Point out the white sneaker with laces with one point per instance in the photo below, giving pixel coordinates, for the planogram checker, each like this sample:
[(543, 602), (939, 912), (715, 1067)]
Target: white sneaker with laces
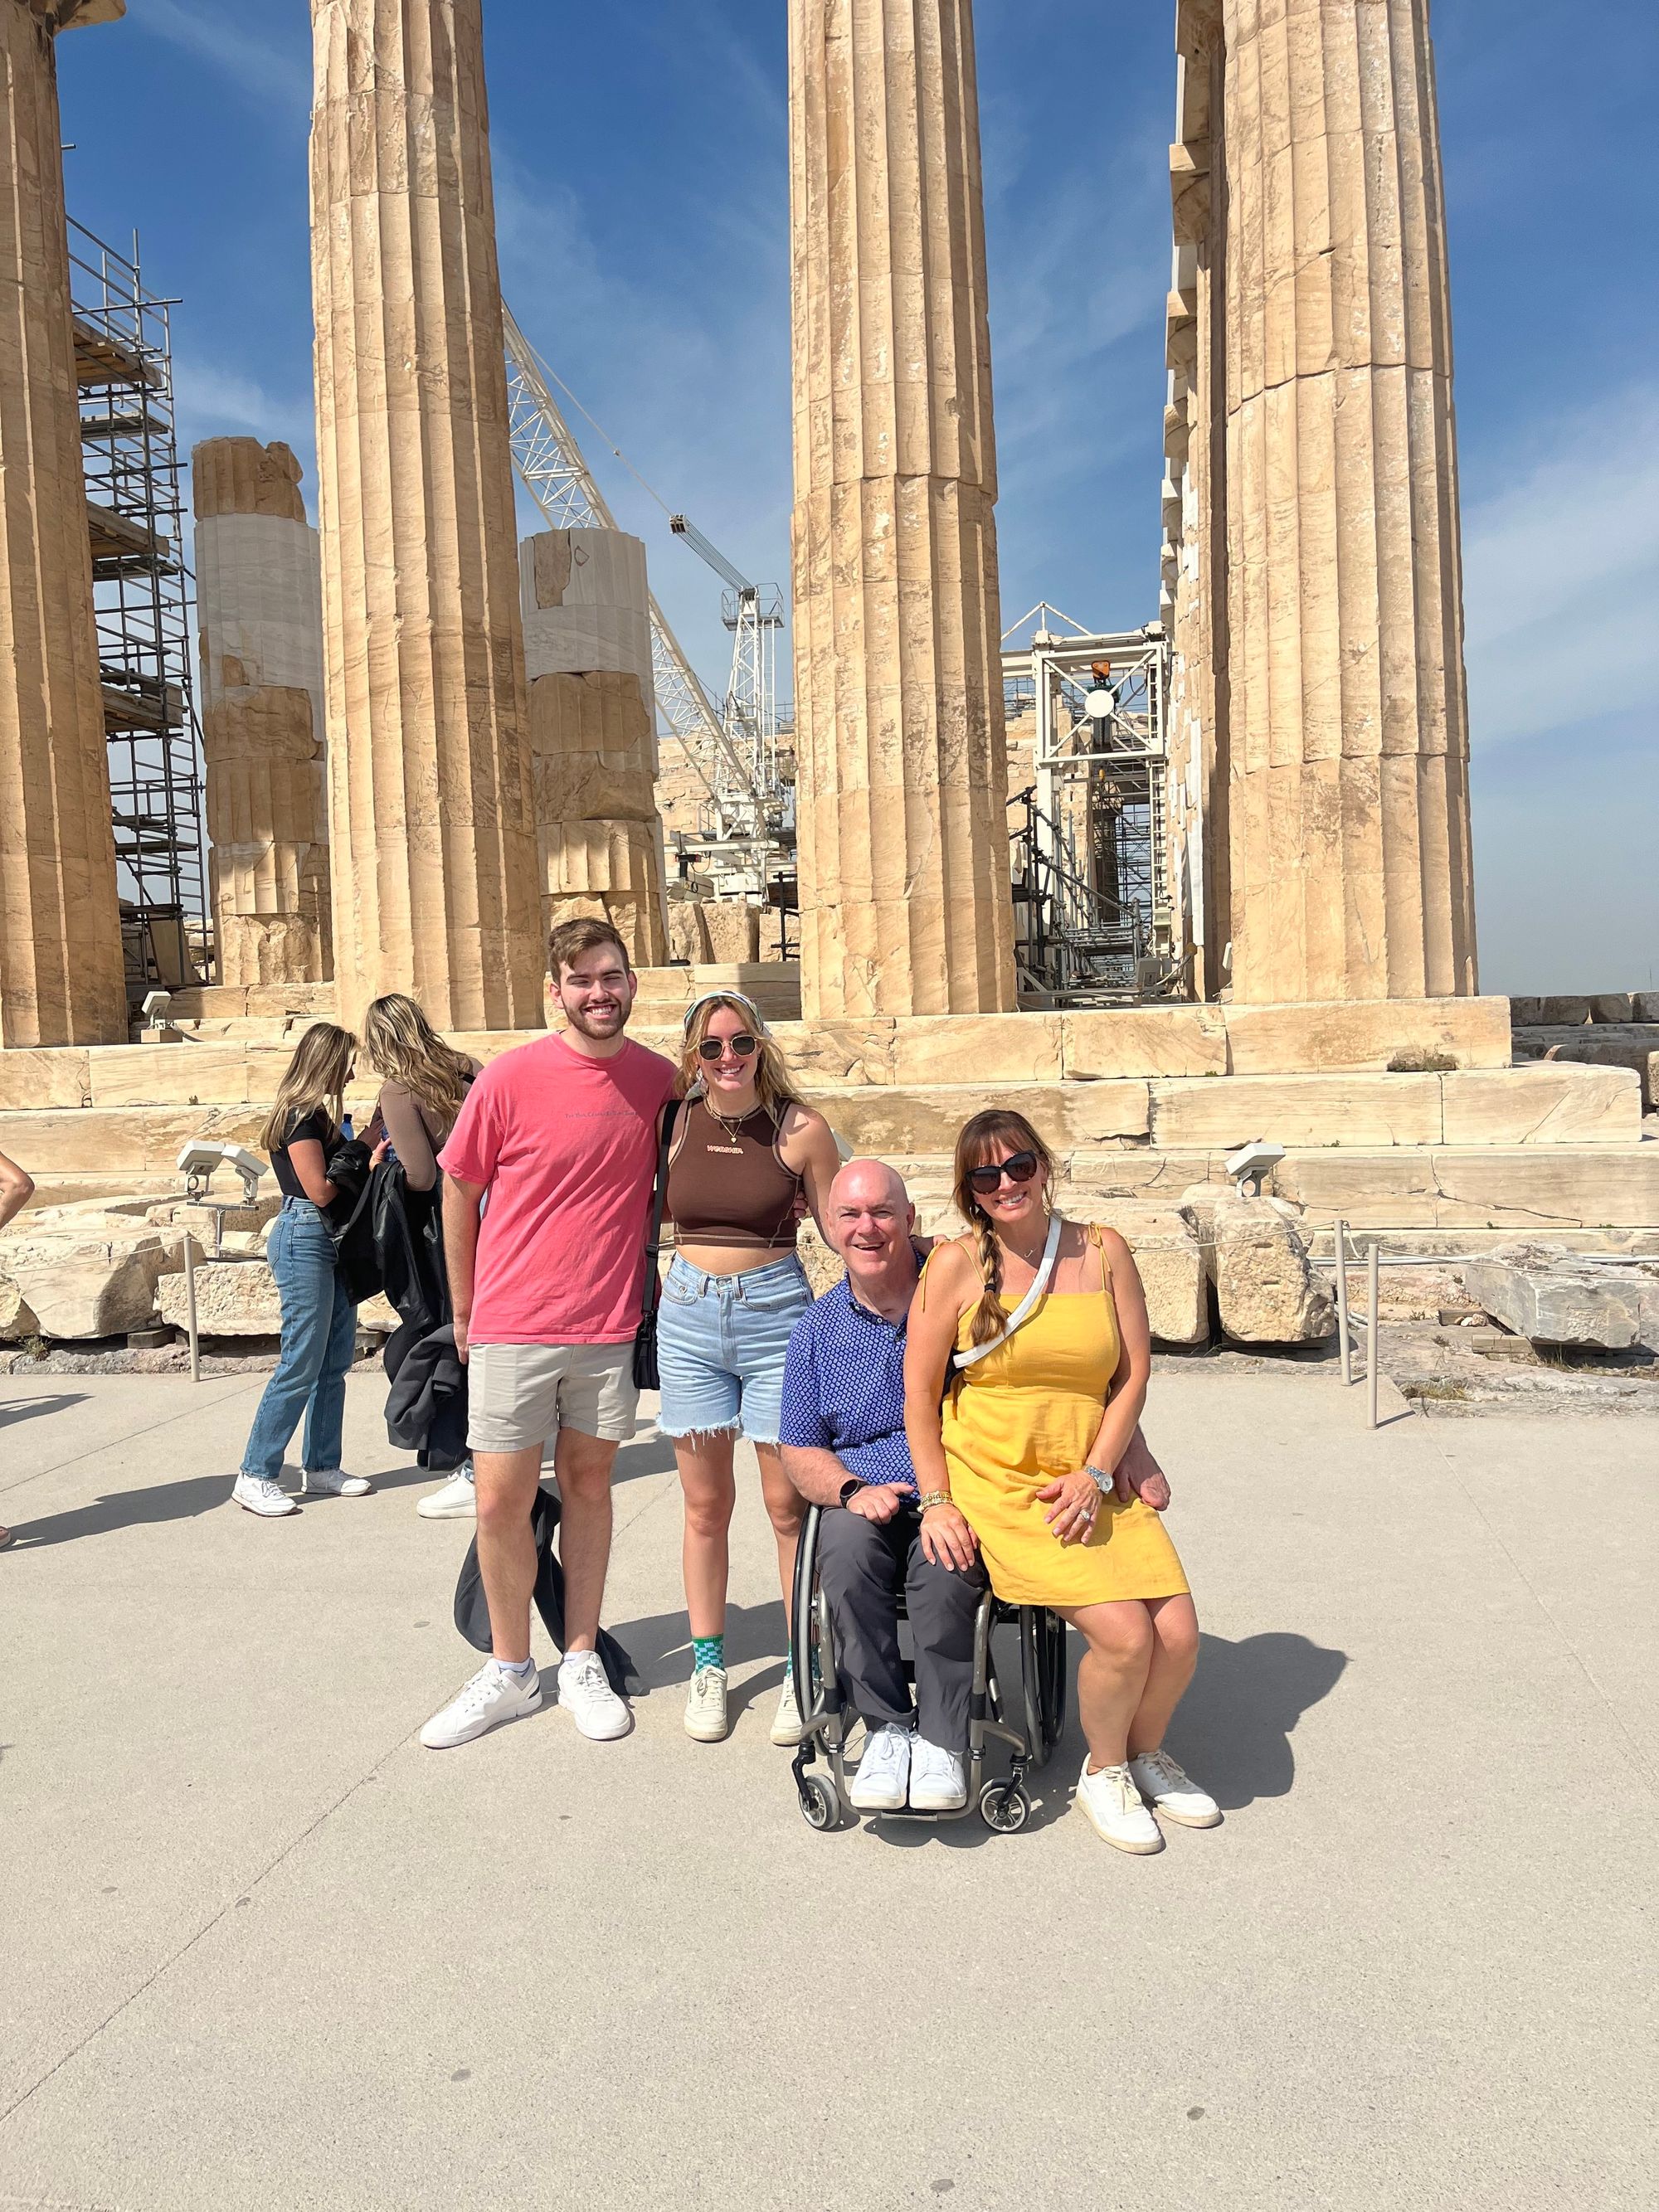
[(786, 1724), (457, 1501), (1113, 1803), (594, 1706), (257, 1493), (494, 1695), (332, 1483), (705, 1706), (937, 1781), (884, 1772), (1172, 1792)]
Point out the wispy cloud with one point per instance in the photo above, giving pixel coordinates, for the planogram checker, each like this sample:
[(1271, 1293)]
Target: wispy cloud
[(1561, 569), (265, 72)]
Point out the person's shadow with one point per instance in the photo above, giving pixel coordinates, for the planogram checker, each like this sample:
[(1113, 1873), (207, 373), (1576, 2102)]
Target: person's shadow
[(27, 1409), (1232, 1731)]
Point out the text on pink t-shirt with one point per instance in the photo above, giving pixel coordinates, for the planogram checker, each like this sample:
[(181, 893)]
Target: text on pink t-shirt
[(567, 1148)]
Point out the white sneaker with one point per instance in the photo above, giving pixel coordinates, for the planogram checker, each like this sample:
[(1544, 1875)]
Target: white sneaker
[(787, 1727), (884, 1772), (494, 1695), (333, 1484), (1173, 1793), (257, 1493), (1113, 1803), (457, 1501), (938, 1784), (705, 1706), (594, 1706)]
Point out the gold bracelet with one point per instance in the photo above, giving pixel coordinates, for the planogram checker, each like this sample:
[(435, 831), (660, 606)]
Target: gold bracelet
[(925, 1502)]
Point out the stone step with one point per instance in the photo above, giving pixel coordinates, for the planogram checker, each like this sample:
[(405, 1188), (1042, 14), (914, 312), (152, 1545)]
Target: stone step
[(1543, 1103)]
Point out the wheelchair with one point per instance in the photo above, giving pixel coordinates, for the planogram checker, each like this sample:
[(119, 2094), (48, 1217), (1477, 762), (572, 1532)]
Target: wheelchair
[(1030, 1723)]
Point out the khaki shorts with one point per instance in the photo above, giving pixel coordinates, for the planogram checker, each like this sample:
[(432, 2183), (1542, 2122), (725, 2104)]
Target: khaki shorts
[(521, 1395)]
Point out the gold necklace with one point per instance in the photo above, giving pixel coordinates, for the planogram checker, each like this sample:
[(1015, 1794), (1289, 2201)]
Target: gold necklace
[(1016, 1252)]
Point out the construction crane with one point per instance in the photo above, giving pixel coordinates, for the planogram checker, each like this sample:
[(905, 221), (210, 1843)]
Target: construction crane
[(754, 615), (553, 473)]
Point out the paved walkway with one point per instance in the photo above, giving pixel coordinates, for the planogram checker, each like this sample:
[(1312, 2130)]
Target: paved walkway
[(261, 1952)]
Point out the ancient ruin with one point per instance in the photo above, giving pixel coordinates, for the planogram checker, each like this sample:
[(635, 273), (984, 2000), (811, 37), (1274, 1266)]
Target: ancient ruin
[(432, 832), (259, 597), (489, 713), (903, 867), (60, 978), (1321, 756), (593, 732)]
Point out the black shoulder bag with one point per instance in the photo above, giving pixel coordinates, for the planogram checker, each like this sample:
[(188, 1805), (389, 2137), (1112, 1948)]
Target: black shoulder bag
[(645, 1375)]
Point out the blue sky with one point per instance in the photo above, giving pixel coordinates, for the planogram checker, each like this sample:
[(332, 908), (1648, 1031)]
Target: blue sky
[(642, 207)]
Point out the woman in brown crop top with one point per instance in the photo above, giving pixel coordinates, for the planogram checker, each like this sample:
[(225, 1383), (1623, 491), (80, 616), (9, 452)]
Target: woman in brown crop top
[(745, 1155)]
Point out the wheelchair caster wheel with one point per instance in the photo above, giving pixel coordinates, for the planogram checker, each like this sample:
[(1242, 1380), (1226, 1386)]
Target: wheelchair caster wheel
[(820, 1808), (1004, 1807)]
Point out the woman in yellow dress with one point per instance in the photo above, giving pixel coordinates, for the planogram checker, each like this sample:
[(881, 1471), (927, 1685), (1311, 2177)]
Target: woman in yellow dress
[(1024, 1460)]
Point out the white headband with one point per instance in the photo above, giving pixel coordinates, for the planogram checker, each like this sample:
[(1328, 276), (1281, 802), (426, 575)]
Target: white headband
[(742, 998)]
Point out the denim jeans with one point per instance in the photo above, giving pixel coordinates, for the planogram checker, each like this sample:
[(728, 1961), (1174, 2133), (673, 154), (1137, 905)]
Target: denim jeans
[(319, 1331), (721, 1346)]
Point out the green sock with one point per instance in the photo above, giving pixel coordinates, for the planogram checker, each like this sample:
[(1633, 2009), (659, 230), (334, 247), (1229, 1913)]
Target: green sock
[(708, 1651)]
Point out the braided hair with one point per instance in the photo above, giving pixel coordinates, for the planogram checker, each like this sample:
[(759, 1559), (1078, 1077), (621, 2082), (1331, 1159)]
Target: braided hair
[(987, 1136)]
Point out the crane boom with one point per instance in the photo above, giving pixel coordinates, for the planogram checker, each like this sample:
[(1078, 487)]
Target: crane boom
[(555, 474)]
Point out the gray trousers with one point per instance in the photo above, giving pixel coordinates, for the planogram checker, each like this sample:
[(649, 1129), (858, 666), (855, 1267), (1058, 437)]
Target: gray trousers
[(862, 1566)]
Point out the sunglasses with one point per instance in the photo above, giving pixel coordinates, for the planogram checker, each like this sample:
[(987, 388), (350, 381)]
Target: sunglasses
[(1019, 1167), (711, 1047)]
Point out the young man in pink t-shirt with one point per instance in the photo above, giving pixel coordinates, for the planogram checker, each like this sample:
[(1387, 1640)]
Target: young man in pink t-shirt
[(557, 1145)]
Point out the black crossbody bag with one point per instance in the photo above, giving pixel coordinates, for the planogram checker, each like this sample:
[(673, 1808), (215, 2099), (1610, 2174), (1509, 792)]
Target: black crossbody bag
[(646, 1374)]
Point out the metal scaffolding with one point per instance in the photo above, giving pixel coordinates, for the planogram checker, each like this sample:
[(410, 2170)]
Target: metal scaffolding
[(143, 599), (1089, 832)]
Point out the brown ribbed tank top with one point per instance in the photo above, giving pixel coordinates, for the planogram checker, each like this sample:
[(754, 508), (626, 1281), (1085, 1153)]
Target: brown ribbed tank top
[(726, 1184)]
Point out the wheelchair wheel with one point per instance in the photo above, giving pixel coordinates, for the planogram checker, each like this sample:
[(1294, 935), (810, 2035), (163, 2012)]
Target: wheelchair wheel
[(820, 1808), (1042, 1671), (1004, 1807)]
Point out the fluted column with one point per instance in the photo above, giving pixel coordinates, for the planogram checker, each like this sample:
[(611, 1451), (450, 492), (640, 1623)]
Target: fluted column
[(61, 972), (1348, 738), (900, 747), (433, 838), (259, 605)]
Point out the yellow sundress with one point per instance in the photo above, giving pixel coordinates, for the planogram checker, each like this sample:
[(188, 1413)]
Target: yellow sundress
[(1032, 1411)]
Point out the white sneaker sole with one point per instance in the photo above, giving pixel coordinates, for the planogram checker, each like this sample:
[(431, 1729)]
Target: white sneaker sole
[(785, 1734), (268, 1512), (1188, 1819), (1118, 1842), (702, 1732), (430, 1510), (875, 1804), (503, 1720), (938, 1804)]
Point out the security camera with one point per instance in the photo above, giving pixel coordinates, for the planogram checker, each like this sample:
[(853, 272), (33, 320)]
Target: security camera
[(201, 1154), (156, 1004), (1251, 1165)]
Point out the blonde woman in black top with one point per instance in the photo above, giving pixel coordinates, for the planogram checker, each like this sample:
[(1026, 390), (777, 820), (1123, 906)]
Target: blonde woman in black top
[(319, 1318), (746, 1156)]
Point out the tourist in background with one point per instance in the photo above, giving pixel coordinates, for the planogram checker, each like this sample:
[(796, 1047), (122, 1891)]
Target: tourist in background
[(423, 1086), (16, 1189), (1026, 1463), (302, 1135), (745, 1155)]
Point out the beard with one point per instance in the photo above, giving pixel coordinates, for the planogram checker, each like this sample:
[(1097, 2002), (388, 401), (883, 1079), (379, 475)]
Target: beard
[(597, 1025)]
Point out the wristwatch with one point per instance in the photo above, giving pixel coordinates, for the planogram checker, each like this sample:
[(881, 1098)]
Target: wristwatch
[(852, 1483), (1104, 1483)]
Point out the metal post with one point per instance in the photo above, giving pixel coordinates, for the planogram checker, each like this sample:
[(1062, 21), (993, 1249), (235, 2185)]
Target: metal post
[(1345, 1341), (190, 1309), (1373, 1331)]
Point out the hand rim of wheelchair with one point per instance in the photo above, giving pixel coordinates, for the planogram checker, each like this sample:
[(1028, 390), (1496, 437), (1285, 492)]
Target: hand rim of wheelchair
[(1043, 1700)]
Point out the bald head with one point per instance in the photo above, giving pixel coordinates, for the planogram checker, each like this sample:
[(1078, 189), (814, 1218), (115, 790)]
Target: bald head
[(860, 1181), (870, 1219)]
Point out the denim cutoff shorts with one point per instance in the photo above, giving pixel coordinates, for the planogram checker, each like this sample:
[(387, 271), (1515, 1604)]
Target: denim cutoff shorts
[(721, 1346)]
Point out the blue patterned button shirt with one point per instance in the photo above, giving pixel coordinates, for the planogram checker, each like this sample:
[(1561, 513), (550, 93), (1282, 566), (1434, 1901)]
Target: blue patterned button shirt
[(843, 1389)]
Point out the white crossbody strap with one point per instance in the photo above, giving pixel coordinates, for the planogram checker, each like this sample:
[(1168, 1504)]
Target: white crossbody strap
[(1022, 1311)]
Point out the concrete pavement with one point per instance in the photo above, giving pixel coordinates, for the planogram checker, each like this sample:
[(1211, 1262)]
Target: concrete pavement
[(261, 1951)]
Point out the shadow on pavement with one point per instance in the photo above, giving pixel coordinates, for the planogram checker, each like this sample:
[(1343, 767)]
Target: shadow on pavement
[(25, 1409), (660, 1648), (1233, 1729), (180, 1501)]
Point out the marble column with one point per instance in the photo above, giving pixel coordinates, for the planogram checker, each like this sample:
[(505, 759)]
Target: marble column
[(905, 905), (1348, 720), (62, 979), (593, 733), (258, 597), (433, 835)]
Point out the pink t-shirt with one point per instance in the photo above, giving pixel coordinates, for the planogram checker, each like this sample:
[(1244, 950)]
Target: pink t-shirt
[(567, 1149)]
